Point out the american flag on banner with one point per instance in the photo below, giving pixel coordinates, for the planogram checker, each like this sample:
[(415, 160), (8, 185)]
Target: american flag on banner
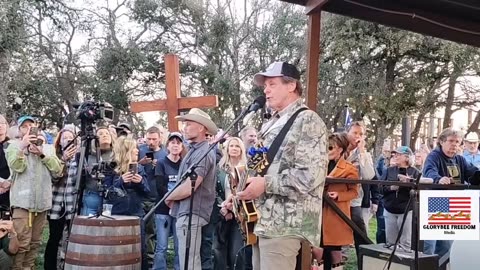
[(449, 210)]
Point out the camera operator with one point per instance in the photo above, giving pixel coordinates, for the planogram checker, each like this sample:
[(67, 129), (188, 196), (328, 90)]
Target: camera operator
[(63, 197), (8, 244), (4, 170), (33, 165), (131, 178), (148, 156), (395, 198), (91, 195)]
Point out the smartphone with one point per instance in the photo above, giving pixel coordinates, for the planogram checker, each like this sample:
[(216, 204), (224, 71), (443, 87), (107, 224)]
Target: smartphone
[(5, 215), (149, 155), (33, 131), (133, 168)]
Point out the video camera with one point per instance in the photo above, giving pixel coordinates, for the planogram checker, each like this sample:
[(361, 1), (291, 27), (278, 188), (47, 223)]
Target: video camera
[(103, 168), (90, 111)]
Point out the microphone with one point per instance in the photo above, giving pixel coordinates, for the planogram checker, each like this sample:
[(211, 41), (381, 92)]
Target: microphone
[(257, 104)]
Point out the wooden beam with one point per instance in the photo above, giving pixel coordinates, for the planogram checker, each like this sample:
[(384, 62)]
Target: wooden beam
[(184, 103), (314, 6), (313, 56), (172, 84)]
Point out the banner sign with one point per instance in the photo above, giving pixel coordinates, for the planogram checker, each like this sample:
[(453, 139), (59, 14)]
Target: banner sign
[(449, 215)]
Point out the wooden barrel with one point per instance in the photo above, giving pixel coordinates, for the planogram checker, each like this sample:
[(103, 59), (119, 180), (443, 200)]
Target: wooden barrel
[(101, 243)]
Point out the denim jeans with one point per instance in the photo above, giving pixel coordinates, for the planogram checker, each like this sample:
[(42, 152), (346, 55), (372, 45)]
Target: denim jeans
[(144, 245), (91, 203), (440, 247), (165, 226), (393, 222)]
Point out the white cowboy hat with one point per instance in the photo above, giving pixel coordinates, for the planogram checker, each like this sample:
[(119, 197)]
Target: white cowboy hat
[(201, 117), (472, 137)]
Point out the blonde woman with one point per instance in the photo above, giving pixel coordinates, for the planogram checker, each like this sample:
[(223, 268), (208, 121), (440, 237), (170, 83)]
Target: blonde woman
[(129, 177), (229, 241)]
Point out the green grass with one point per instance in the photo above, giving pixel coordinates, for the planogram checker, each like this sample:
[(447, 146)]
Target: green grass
[(351, 263), (352, 258), (41, 251)]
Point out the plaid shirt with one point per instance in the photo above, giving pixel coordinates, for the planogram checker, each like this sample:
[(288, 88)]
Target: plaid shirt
[(63, 197)]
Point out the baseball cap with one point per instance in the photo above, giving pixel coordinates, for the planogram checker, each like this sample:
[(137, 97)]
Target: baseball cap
[(404, 150), (175, 135), (24, 118), (124, 125), (277, 69)]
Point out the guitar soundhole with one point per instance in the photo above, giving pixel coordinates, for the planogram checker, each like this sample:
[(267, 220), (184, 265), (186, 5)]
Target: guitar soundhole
[(250, 207)]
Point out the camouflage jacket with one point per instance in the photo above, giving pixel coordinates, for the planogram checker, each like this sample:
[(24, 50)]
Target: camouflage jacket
[(292, 202)]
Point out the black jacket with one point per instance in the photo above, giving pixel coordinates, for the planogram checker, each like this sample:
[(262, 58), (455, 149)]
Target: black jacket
[(395, 201), (371, 193), (4, 172)]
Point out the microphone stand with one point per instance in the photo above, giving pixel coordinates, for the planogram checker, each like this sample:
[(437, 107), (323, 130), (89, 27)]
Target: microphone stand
[(190, 173)]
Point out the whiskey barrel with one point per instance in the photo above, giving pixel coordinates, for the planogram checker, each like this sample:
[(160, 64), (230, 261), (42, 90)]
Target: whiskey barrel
[(102, 243)]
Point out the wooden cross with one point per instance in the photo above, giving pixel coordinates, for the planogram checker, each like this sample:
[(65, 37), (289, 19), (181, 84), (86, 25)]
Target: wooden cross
[(174, 103)]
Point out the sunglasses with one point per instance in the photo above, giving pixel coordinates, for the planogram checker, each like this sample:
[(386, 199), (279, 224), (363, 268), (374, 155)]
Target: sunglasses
[(208, 135)]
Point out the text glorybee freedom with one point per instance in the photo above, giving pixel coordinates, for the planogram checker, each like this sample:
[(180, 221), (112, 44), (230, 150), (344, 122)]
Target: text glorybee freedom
[(449, 227)]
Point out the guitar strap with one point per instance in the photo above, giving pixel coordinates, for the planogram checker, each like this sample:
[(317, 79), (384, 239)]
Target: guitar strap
[(277, 142)]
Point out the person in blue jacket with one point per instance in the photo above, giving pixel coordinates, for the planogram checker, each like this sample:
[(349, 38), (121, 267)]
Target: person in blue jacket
[(131, 179), (445, 166)]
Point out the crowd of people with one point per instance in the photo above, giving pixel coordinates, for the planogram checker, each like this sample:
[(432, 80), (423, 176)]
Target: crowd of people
[(38, 180)]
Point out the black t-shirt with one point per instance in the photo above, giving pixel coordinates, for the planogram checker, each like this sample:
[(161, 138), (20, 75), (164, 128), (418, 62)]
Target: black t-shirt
[(166, 173), (4, 172)]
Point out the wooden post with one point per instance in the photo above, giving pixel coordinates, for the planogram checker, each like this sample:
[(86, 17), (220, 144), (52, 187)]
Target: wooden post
[(313, 56), (172, 85)]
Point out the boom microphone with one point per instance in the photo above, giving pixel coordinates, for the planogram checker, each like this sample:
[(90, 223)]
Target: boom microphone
[(257, 104)]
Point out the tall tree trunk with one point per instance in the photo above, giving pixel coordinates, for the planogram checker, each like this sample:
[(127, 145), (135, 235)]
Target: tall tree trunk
[(475, 123), (4, 68), (380, 135), (416, 129), (452, 82)]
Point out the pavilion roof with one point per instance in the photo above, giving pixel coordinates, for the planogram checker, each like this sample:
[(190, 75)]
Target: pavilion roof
[(455, 20)]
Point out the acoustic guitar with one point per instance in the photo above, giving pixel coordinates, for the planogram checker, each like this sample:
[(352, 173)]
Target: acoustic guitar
[(246, 212)]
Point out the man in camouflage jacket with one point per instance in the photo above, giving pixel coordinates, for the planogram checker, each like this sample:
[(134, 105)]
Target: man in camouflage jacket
[(289, 196)]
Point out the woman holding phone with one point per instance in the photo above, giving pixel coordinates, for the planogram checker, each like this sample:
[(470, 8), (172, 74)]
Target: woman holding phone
[(62, 199), (129, 177)]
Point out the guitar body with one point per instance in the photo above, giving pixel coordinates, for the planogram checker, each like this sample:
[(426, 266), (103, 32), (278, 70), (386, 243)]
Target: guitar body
[(245, 211)]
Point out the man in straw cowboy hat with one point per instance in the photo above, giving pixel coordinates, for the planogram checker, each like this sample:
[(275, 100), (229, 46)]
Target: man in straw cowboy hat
[(196, 125), (471, 152)]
